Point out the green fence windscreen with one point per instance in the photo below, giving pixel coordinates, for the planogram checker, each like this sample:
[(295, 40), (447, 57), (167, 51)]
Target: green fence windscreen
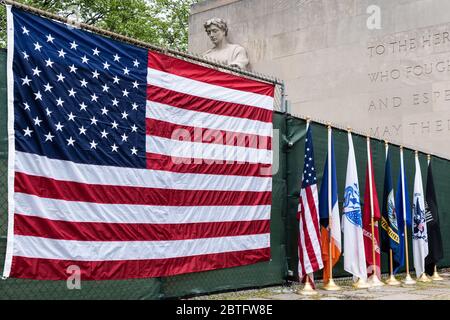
[(296, 130)]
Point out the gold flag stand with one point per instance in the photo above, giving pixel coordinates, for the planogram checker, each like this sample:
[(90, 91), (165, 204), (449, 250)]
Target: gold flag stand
[(436, 276), (308, 290), (361, 284), (408, 280), (392, 281), (423, 278)]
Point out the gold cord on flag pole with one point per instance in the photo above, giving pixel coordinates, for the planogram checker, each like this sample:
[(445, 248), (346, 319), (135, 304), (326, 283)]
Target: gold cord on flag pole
[(373, 280), (330, 285), (408, 280)]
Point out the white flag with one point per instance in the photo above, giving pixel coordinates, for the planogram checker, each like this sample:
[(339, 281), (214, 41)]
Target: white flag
[(354, 257), (419, 225)]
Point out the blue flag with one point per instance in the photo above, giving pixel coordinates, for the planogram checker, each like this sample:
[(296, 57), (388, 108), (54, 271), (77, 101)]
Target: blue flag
[(390, 235), (323, 194), (401, 213), (333, 234)]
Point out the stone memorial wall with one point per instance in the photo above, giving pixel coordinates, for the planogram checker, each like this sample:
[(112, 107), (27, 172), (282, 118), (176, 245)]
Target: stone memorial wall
[(379, 66)]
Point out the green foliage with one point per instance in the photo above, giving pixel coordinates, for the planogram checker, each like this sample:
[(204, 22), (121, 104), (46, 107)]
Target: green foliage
[(160, 22)]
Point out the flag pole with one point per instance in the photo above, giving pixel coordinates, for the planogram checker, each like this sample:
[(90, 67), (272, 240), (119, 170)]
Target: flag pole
[(423, 277), (392, 281), (308, 289), (360, 283), (408, 280), (373, 279), (330, 285), (435, 276)]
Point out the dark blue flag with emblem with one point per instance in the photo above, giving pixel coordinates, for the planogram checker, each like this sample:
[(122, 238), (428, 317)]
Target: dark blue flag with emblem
[(403, 216), (390, 239)]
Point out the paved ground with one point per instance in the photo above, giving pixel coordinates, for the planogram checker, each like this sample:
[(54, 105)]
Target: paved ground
[(437, 290)]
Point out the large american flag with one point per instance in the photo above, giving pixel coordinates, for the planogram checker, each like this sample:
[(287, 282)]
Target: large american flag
[(309, 252), (130, 163)]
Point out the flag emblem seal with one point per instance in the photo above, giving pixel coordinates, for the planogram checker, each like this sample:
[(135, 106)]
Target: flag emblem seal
[(352, 208)]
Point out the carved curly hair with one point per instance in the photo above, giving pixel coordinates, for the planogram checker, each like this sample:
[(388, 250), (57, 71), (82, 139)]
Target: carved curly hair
[(218, 22)]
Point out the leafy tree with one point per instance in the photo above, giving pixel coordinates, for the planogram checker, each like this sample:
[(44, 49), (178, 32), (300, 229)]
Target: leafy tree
[(160, 22)]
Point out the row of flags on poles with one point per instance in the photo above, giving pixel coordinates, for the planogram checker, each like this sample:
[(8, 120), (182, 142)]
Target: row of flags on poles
[(367, 228)]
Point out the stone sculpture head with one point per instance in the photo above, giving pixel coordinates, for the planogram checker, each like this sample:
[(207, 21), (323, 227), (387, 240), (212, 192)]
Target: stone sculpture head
[(217, 30)]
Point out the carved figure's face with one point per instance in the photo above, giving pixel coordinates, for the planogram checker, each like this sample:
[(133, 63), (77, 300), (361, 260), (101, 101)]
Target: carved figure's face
[(215, 34)]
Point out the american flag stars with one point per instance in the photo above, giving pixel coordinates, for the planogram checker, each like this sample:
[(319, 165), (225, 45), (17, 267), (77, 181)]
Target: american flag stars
[(82, 97)]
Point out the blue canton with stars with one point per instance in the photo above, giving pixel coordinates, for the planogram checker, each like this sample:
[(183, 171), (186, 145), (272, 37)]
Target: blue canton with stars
[(309, 171), (78, 96)]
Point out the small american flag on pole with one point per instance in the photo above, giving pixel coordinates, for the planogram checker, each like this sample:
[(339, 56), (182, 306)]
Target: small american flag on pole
[(130, 163), (309, 252)]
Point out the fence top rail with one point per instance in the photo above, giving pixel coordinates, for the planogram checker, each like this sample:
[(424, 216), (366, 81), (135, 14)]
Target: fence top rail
[(186, 55), (366, 134)]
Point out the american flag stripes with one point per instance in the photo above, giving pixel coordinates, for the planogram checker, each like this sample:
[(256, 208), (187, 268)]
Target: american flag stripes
[(310, 257), (129, 163)]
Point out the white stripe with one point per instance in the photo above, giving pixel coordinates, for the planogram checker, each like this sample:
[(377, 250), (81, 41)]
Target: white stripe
[(311, 227), (208, 151), (336, 227), (103, 175), (205, 90), (35, 247), (191, 118), (72, 211), (11, 142), (302, 251)]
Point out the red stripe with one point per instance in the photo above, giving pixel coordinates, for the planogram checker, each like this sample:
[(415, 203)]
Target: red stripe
[(308, 243), (169, 130), (92, 231), (47, 269), (313, 210), (300, 241), (204, 166), (199, 104), (196, 72), (75, 191)]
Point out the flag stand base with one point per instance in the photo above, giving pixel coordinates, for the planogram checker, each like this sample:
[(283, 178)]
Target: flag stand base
[(423, 278), (408, 280), (436, 277), (361, 284), (374, 281), (392, 281), (308, 290), (331, 286)]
